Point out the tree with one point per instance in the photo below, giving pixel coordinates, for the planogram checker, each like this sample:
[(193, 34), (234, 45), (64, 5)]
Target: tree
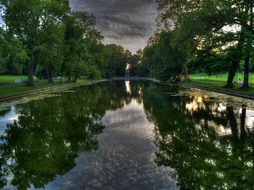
[(116, 59), (165, 58), (50, 53), (191, 141), (80, 36), (23, 21), (27, 20), (57, 41), (207, 24), (12, 53)]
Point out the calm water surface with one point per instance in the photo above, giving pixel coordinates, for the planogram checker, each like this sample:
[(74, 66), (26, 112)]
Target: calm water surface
[(128, 135)]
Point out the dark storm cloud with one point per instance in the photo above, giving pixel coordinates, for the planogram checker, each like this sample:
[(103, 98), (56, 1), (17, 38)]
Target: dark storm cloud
[(126, 22)]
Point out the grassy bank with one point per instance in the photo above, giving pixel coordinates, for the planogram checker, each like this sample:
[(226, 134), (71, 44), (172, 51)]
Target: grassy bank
[(9, 88), (219, 86), (10, 79), (216, 82), (220, 77)]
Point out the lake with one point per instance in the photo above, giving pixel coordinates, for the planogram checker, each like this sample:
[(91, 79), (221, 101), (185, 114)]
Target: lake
[(128, 135)]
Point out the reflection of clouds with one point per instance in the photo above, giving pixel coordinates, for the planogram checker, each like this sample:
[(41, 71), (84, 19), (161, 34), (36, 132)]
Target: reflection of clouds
[(249, 121), (223, 131), (217, 109), (197, 103), (221, 107), (128, 87), (9, 117), (124, 159)]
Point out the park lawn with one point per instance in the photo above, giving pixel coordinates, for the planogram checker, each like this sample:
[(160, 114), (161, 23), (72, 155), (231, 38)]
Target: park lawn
[(9, 88), (10, 79), (220, 77), (219, 86)]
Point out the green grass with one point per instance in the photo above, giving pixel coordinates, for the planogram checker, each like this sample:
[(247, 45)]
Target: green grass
[(219, 80), (220, 77), (219, 86), (8, 86), (10, 79)]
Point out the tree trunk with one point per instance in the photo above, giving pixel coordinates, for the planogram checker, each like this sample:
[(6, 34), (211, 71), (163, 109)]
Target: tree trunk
[(246, 72), (61, 80), (62, 74), (247, 50), (232, 122), (69, 78), (186, 73), (177, 76), (50, 74), (30, 80), (75, 78), (243, 119), (231, 74)]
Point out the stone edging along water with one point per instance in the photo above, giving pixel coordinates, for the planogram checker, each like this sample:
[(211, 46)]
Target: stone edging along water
[(49, 90), (62, 88), (237, 94)]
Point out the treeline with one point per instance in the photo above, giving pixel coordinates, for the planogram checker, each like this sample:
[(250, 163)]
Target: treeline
[(47, 37), (200, 36)]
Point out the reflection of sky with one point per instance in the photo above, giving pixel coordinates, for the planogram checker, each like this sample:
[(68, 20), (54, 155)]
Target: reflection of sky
[(125, 158), (249, 122), (9, 117), (126, 148), (198, 103), (1, 20), (128, 87)]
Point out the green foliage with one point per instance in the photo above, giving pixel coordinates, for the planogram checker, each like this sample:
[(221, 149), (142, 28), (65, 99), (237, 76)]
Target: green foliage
[(208, 62), (163, 58), (12, 54), (212, 28), (93, 72), (136, 68), (114, 59), (46, 36), (51, 133), (191, 142), (204, 141)]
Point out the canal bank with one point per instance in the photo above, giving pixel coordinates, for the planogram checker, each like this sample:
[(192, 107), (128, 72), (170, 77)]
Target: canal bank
[(221, 90), (64, 87), (47, 90)]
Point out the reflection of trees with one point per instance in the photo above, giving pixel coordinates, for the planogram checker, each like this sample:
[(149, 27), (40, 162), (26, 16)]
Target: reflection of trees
[(3, 112), (206, 143), (50, 133), (197, 142)]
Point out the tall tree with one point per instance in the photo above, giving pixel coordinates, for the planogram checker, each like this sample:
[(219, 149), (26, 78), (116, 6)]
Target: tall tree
[(211, 23), (26, 20), (80, 36), (23, 20)]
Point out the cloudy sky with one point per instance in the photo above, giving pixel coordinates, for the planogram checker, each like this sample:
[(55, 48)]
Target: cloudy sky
[(125, 22)]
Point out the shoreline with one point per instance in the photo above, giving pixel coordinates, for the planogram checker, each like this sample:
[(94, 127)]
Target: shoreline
[(211, 89), (48, 90), (64, 87)]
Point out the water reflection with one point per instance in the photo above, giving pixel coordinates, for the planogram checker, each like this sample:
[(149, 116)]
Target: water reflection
[(152, 135), (208, 144), (44, 137)]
